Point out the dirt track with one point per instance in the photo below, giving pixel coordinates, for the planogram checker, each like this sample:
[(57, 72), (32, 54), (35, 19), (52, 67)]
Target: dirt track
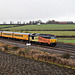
[(16, 65)]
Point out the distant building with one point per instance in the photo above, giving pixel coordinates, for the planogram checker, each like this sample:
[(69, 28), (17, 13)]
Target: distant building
[(67, 22), (62, 22), (38, 23)]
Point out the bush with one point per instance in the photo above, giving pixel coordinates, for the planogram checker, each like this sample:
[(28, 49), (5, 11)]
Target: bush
[(66, 55), (21, 53), (5, 47), (15, 48)]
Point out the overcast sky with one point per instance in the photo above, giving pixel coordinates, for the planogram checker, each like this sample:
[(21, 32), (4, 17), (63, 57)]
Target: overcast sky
[(26, 10)]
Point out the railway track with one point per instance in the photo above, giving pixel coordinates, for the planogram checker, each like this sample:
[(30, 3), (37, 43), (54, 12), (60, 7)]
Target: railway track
[(59, 49)]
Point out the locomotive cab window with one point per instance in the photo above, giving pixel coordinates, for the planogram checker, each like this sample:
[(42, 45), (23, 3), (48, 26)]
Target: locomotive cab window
[(47, 37), (53, 37)]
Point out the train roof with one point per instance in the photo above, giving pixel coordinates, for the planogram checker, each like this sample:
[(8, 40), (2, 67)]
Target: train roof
[(16, 32), (31, 34), (7, 32), (41, 35), (34, 34), (46, 35), (22, 33)]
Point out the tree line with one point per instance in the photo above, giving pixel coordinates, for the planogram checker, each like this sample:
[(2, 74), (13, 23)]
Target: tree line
[(38, 22)]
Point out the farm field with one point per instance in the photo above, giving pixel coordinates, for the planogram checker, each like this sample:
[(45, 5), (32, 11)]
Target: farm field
[(6, 25), (16, 65), (44, 27), (58, 33), (67, 40)]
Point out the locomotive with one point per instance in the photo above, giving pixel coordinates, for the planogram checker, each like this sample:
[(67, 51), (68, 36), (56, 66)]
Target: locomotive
[(31, 37)]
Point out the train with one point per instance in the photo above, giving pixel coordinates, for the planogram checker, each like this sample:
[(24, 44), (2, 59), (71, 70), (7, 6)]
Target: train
[(31, 37)]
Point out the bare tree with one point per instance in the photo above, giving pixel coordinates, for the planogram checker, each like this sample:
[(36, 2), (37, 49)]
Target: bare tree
[(4, 22)]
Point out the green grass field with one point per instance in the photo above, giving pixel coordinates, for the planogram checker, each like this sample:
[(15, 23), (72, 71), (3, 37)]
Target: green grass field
[(44, 27), (59, 33), (6, 25), (67, 40)]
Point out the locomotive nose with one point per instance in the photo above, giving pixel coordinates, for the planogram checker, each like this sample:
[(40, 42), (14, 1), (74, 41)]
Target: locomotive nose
[(53, 40)]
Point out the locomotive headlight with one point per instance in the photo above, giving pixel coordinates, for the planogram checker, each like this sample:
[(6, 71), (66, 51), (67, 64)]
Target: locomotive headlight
[(53, 40)]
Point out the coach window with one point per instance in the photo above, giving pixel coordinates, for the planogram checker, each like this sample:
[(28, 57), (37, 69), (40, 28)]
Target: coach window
[(33, 37), (6, 34), (19, 35)]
